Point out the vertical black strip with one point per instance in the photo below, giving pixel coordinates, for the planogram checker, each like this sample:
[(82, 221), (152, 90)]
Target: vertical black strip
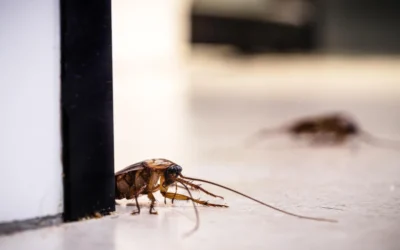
[(87, 108)]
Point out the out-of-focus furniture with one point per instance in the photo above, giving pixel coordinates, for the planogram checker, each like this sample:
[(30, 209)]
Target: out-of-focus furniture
[(255, 25)]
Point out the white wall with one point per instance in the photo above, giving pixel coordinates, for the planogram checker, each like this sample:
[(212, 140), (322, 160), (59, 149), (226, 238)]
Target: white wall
[(30, 144), (150, 51)]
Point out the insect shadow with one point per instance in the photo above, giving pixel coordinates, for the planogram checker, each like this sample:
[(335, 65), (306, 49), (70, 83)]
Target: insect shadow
[(149, 176), (333, 129)]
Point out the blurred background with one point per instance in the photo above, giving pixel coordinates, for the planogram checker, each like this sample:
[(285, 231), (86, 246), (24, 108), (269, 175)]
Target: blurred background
[(194, 76), (193, 79)]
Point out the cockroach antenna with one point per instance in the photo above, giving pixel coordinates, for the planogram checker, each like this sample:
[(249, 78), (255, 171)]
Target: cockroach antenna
[(195, 210), (262, 134), (260, 202), (373, 140)]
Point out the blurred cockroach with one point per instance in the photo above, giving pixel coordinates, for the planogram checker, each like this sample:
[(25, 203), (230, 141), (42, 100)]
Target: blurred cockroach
[(142, 179), (333, 128)]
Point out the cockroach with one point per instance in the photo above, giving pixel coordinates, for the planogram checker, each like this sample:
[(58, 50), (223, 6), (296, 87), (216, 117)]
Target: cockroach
[(149, 176), (334, 128)]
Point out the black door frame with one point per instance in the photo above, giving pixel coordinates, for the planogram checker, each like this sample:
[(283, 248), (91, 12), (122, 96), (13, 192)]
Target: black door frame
[(87, 108)]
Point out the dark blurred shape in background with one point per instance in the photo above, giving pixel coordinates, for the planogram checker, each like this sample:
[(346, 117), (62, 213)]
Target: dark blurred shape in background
[(333, 26)]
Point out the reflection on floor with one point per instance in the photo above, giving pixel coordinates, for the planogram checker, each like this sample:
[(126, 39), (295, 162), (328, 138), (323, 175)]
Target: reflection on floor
[(202, 127)]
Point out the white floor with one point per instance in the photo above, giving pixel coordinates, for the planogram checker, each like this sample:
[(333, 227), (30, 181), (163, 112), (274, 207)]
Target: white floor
[(200, 122)]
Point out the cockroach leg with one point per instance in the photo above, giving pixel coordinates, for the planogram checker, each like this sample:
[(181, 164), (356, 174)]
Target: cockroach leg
[(152, 209), (137, 206), (151, 188), (153, 200), (176, 191), (136, 194), (187, 198), (197, 187)]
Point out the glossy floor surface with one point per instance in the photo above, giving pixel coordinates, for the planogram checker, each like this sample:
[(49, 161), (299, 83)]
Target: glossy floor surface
[(200, 118)]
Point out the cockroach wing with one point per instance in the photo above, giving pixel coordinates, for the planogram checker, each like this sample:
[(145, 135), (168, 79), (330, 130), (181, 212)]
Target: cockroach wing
[(133, 167), (159, 163)]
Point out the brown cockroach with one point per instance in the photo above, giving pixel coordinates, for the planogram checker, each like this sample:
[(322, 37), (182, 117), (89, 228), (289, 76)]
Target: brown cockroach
[(149, 176), (333, 128)]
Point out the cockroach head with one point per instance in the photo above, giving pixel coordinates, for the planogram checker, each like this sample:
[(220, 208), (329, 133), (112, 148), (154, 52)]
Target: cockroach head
[(349, 126), (171, 173)]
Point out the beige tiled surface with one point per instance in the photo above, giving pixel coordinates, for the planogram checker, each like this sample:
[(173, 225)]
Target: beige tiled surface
[(198, 116)]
